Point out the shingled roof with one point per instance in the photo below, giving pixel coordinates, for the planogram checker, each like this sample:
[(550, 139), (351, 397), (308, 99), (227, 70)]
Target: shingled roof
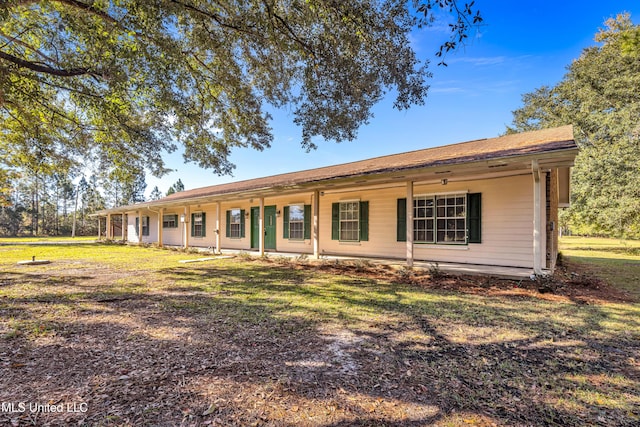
[(541, 141), (514, 145)]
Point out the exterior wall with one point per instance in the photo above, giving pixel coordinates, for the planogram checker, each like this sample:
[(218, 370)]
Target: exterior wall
[(209, 239), (291, 245), (132, 232), (507, 218), (282, 244), (174, 236), (241, 243), (507, 221)]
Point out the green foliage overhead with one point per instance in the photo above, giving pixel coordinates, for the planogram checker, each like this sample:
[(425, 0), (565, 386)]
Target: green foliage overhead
[(600, 96), (123, 82)]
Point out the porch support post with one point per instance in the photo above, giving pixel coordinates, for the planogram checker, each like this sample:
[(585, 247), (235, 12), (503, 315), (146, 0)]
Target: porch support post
[(140, 227), (316, 224), (109, 230), (409, 223), (537, 219), (187, 230), (160, 215), (124, 228), (261, 228), (99, 224), (218, 222)]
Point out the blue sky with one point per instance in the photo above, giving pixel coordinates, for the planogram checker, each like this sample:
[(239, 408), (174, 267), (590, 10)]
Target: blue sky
[(521, 46)]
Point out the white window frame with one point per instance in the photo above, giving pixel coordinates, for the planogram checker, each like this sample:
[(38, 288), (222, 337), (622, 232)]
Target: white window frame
[(145, 225), (343, 220), (448, 224), (197, 222), (235, 223), (296, 233), (166, 223)]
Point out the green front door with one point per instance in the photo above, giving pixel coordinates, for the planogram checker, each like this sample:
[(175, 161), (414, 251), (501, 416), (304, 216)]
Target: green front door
[(270, 227), (255, 227)]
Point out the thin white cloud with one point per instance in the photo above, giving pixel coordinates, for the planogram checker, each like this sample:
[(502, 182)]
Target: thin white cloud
[(479, 61)]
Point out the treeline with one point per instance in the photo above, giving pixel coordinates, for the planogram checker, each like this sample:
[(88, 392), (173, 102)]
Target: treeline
[(55, 204), (60, 204), (600, 96)]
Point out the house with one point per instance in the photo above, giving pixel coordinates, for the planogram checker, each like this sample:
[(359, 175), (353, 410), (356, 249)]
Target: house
[(488, 202)]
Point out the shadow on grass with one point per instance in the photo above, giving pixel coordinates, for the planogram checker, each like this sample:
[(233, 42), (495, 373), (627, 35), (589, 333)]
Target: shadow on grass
[(249, 343)]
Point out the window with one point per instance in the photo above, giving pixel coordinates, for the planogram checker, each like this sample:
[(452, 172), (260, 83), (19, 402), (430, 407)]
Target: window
[(451, 219), (443, 219), (145, 225), (423, 219), (198, 224), (296, 222), (350, 221), (170, 221), (235, 218)]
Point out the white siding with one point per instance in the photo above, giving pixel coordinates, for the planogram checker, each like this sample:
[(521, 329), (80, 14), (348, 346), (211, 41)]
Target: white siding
[(132, 232), (243, 243), (209, 239), (173, 236), (507, 221)]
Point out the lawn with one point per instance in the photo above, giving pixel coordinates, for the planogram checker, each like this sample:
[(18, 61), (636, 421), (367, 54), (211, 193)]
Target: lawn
[(46, 239), (617, 261), (119, 335)]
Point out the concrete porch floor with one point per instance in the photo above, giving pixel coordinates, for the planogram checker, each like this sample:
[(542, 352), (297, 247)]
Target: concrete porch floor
[(516, 273)]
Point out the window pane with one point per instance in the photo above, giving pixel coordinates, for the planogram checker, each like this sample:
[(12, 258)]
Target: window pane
[(429, 236), (235, 216), (296, 213)]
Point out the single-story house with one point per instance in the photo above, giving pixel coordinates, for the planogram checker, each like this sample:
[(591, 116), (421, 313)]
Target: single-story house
[(487, 202)]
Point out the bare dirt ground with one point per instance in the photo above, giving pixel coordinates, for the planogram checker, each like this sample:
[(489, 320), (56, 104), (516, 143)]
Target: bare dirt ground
[(182, 353)]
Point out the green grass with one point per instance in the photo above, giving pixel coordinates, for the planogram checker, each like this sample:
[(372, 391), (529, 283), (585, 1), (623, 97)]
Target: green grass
[(615, 260), (29, 239), (258, 342)]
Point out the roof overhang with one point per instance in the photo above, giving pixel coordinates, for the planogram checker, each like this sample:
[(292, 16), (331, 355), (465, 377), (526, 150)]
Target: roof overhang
[(456, 169)]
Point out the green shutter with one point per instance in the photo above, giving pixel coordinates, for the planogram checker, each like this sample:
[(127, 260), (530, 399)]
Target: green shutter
[(204, 225), (335, 221), (193, 227), (228, 224), (176, 219), (285, 223), (364, 221), (401, 222), (137, 225), (474, 217), (307, 221), (242, 223), (148, 227)]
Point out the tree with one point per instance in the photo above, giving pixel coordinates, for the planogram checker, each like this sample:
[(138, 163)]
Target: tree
[(599, 95), (155, 194), (176, 187), (124, 82)]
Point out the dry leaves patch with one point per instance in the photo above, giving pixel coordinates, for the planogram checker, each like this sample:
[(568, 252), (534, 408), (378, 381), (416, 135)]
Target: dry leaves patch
[(258, 343)]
